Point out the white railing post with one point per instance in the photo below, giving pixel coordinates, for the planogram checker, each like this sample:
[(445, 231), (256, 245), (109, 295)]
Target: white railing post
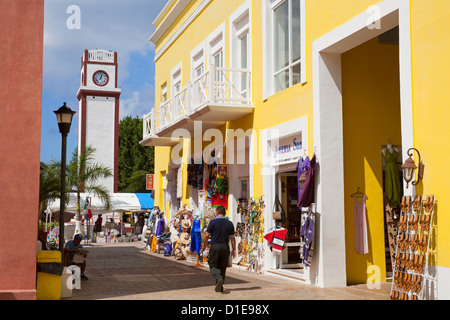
[(248, 89), (211, 83), (188, 97)]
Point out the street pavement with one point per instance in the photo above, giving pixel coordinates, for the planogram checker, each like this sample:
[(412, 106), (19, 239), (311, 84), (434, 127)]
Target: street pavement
[(124, 271)]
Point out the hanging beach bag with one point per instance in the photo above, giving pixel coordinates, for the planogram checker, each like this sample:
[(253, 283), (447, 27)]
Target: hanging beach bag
[(278, 214)]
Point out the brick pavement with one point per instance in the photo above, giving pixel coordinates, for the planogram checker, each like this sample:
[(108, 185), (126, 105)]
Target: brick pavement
[(123, 271)]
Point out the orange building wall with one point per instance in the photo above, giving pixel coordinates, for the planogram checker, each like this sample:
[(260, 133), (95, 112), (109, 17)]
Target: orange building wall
[(21, 47)]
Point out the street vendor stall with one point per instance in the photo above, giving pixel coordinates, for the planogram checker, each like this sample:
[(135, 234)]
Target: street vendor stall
[(120, 204)]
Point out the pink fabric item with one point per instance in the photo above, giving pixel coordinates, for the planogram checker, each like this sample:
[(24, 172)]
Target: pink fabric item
[(360, 226)]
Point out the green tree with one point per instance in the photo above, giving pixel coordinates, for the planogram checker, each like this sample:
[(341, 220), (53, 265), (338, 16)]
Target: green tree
[(135, 161), (83, 175), (49, 186)]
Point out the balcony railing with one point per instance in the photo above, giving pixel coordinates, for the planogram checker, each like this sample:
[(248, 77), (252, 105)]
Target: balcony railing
[(227, 87), (149, 124)]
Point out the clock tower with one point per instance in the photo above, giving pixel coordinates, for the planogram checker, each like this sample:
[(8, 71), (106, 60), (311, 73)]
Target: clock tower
[(98, 117)]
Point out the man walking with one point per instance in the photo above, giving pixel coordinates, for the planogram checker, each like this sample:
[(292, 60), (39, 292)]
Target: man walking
[(220, 231)]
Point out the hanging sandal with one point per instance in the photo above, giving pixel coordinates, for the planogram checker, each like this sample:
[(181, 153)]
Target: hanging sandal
[(418, 268), (414, 222), (414, 242), (417, 203), (407, 283), (426, 222), (403, 204), (423, 243), (401, 222), (416, 285), (428, 205), (394, 295), (398, 279)]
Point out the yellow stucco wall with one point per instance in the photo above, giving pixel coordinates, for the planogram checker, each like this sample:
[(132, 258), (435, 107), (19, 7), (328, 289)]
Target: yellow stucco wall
[(429, 27), (430, 66)]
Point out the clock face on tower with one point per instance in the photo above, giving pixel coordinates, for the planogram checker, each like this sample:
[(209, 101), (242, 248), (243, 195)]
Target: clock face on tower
[(100, 78)]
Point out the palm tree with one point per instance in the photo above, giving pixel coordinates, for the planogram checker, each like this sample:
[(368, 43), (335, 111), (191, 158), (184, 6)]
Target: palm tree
[(49, 186), (83, 175)]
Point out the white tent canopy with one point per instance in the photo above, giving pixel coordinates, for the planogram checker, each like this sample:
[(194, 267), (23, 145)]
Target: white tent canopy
[(120, 202)]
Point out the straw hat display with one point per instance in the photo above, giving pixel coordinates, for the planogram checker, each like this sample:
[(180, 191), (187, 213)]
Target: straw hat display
[(185, 238), (186, 223)]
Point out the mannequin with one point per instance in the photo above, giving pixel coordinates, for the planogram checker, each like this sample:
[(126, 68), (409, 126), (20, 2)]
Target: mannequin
[(390, 148)]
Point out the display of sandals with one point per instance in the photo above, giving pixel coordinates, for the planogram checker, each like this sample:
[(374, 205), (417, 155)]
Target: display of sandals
[(413, 241)]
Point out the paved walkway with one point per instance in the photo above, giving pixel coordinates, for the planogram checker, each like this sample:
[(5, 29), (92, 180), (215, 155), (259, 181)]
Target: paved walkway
[(123, 271)]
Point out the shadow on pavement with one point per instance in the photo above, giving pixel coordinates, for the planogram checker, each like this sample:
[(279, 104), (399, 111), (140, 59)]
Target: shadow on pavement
[(119, 271)]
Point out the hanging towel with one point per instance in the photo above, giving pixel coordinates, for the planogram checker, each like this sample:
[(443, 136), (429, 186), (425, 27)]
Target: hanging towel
[(360, 226)]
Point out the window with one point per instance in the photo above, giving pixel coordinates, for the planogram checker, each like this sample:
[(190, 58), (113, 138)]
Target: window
[(198, 61), (216, 45), (240, 46), (176, 79), (164, 92), (286, 39), (284, 46)]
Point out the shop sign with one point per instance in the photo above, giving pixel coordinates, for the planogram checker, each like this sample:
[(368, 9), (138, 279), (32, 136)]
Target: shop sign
[(286, 150), (150, 182)]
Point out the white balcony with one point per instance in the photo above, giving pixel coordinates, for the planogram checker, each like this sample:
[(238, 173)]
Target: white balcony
[(150, 122), (217, 96)]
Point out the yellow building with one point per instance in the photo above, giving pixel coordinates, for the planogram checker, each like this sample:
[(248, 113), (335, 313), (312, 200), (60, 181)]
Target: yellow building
[(261, 82)]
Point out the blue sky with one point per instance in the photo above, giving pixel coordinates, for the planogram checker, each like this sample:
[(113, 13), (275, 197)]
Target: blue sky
[(116, 25)]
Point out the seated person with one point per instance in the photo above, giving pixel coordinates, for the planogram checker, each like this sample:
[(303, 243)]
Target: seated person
[(70, 249)]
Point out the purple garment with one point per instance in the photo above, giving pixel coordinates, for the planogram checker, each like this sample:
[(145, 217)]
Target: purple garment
[(160, 227), (307, 196), (302, 168)]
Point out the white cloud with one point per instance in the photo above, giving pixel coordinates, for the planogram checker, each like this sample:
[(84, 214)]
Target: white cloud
[(138, 102)]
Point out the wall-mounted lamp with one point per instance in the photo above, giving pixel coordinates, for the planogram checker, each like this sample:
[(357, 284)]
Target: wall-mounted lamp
[(409, 167)]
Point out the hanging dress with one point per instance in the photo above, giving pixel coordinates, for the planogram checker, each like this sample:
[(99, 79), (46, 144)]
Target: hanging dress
[(307, 195), (392, 182), (360, 226), (302, 170), (196, 237)]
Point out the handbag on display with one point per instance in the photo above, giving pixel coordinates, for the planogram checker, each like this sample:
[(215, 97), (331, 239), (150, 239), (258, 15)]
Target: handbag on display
[(278, 215)]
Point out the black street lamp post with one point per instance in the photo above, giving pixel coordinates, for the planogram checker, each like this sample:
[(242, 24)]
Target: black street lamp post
[(64, 116)]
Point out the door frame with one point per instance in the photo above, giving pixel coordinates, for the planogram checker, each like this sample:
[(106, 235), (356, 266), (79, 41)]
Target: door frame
[(328, 267)]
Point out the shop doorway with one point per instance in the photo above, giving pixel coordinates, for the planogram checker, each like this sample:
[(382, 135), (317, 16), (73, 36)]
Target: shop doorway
[(370, 73), (287, 191), (332, 269)]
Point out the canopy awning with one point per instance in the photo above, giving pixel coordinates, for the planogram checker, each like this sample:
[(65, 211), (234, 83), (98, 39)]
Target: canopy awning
[(120, 202)]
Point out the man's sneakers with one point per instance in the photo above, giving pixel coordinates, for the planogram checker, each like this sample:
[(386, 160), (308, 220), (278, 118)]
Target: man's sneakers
[(219, 286), (84, 277)]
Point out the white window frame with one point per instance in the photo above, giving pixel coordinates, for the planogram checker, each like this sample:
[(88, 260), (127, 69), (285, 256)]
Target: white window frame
[(240, 26), (215, 44), (268, 44), (176, 76), (198, 60), (164, 92)]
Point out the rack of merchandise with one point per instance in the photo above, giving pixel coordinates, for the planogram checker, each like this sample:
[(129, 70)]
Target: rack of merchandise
[(251, 233), (413, 242)]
